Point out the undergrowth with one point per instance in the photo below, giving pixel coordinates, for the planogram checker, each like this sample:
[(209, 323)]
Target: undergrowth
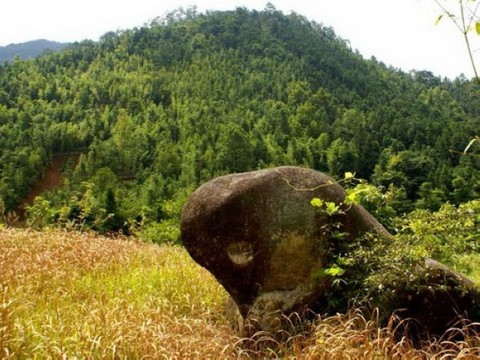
[(79, 295)]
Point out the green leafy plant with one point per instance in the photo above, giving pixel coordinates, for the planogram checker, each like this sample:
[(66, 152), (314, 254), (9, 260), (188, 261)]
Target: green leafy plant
[(329, 207), (333, 228), (449, 235), (368, 268)]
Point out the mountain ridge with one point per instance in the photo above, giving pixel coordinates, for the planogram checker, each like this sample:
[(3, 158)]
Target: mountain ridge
[(29, 49)]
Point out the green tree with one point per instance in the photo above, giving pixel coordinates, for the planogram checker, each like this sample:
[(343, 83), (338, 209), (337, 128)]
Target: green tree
[(430, 198), (342, 157), (236, 150)]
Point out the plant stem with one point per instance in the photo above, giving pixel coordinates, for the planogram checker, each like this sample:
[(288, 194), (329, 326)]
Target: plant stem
[(467, 42), (465, 29)]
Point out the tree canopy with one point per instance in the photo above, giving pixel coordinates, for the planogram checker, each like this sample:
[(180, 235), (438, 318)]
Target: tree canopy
[(155, 111)]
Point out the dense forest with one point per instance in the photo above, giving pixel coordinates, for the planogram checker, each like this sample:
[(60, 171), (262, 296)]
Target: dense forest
[(150, 113)]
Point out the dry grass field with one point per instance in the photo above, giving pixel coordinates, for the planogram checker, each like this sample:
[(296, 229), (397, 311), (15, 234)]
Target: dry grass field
[(77, 295)]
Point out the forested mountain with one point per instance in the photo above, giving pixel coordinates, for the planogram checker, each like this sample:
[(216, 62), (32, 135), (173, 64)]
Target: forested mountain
[(29, 49), (157, 110)]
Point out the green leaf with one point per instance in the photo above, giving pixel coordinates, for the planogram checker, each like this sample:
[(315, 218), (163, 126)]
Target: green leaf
[(471, 142), (331, 208), (345, 261), (349, 175), (335, 270), (339, 235), (351, 198), (477, 27), (439, 19), (316, 202)]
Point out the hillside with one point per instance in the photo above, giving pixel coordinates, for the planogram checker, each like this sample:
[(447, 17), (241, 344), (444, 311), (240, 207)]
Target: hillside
[(29, 49), (157, 110)]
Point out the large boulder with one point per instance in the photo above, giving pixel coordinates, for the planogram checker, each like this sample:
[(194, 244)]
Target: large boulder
[(260, 236)]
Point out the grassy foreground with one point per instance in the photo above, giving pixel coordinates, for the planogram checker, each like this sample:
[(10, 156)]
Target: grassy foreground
[(79, 295)]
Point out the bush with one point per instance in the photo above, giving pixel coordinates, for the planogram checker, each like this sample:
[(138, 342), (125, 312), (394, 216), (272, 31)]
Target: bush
[(447, 235), (167, 231)]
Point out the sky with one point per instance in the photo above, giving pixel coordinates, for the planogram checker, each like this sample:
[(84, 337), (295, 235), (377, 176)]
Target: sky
[(400, 33)]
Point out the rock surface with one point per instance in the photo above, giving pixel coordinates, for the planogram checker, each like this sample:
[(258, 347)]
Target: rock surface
[(436, 299), (262, 239), (259, 235)]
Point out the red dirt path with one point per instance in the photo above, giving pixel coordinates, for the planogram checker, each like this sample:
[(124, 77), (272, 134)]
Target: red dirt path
[(52, 178)]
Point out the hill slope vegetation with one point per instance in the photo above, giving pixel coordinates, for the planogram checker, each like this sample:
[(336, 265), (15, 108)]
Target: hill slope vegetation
[(157, 110)]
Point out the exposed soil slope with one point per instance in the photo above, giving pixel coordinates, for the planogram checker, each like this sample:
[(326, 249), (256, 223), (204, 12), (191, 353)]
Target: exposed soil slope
[(52, 178)]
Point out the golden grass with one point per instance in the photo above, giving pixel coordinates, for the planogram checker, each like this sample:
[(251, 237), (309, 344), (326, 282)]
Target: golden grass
[(85, 296), (79, 295)]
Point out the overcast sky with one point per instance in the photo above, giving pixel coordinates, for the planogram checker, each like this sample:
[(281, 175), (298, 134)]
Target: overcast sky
[(401, 33)]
